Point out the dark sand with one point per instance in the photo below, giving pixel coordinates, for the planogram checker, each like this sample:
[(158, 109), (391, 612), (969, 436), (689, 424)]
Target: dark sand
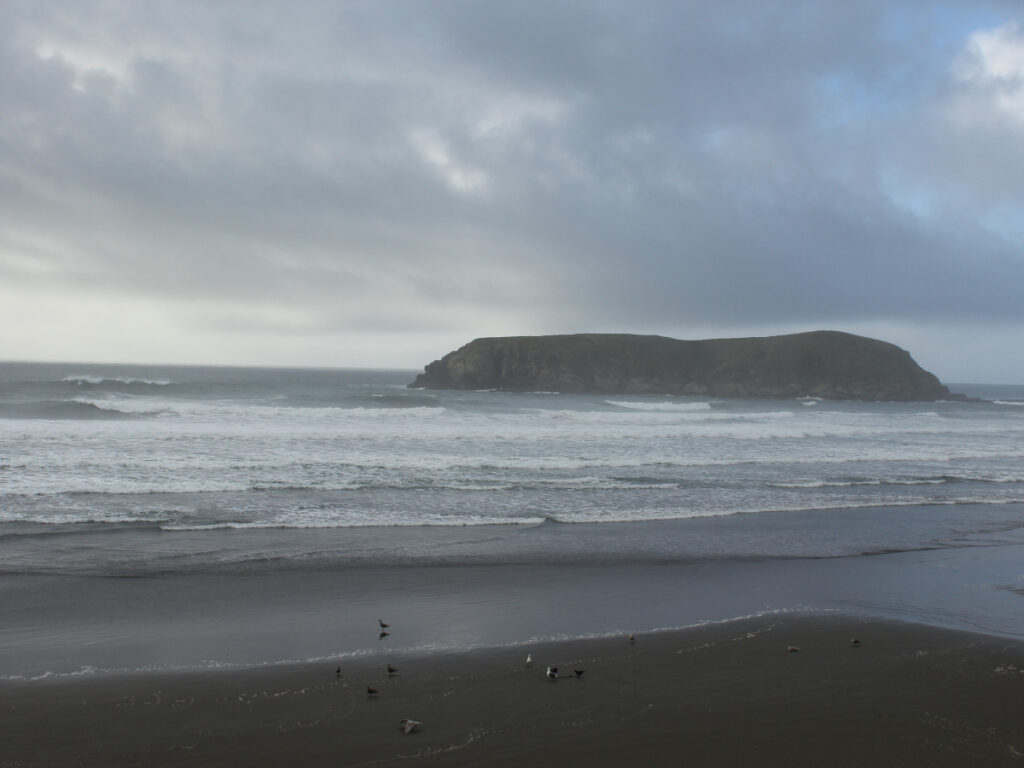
[(719, 695)]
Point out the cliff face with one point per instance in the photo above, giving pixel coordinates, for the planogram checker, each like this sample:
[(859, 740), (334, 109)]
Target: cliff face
[(827, 364)]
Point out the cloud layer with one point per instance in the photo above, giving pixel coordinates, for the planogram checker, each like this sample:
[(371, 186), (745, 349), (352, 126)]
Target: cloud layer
[(373, 183)]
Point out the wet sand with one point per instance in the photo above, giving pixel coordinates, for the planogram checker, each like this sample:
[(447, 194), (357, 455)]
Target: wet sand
[(725, 694)]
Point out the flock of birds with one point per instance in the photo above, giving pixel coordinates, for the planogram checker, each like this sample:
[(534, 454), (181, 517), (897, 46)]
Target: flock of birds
[(406, 724), (409, 726)]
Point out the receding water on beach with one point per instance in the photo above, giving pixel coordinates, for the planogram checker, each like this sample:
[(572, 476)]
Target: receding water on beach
[(175, 518)]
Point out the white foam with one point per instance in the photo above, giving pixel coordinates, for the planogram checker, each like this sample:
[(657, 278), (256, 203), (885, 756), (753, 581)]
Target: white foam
[(345, 519), (670, 407), (96, 380), (866, 482)]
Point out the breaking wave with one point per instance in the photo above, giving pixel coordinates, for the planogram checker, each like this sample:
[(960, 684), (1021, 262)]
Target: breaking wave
[(94, 381), (669, 407), (69, 409)]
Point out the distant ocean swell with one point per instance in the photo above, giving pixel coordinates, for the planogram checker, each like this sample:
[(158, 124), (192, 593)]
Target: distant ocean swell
[(195, 448), (511, 479)]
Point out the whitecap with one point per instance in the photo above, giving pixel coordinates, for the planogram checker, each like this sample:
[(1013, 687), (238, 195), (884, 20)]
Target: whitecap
[(670, 407)]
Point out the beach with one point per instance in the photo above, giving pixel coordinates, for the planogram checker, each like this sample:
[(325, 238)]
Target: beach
[(728, 693)]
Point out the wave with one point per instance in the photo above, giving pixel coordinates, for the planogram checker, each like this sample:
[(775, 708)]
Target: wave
[(863, 482), (898, 481), (650, 516), (435, 521), (69, 526), (578, 517), (94, 381), (109, 521), (327, 517), (401, 401), (642, 415), (111, 474), (76, 409), (669, 407), (1009, 402), (229, 414)]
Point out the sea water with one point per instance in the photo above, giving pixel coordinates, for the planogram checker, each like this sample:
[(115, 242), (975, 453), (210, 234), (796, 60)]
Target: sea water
[(155, 517)]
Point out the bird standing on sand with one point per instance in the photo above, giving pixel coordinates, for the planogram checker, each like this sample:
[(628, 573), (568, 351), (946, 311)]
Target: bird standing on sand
[(337, 672), (632, 638), (579, 672), (552, 673), (392, 670), (408, 726), (383, 624), (854, 641), (792, 649), (370, 691), (529, 660)]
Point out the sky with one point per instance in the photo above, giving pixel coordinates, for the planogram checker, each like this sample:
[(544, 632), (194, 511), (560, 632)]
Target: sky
[(374, 184)]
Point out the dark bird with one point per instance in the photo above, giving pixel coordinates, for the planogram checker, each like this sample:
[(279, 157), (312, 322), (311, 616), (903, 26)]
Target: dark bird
[(632, 638), (793, 649), (337, 672), (392, 670), (854, 641), (382, 635), (383, 624), (579, 672), (408, 726), (552, 673), (371, 691)]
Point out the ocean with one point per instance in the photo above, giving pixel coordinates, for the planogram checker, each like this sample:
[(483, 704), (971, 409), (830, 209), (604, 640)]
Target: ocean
[(160, 518)]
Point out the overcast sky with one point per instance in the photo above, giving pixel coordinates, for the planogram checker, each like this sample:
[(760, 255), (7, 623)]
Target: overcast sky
[(376, 183)]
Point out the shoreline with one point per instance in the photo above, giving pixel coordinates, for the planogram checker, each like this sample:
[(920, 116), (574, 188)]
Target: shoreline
[(717, 694)]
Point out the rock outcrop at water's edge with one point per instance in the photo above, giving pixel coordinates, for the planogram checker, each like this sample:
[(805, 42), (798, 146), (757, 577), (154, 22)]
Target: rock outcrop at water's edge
[(825, 364)]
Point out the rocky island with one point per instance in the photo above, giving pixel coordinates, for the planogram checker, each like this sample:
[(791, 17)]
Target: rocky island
[(825, 364)]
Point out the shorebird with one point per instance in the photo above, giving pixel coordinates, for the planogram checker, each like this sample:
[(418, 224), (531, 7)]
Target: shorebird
[(792, 649), (408, 726), (382, 635), (854, 641), (337, 672), (392, 670), (371, 691), (579, 672), (383, 624), (632, 638), (552, 673), (529, 660)]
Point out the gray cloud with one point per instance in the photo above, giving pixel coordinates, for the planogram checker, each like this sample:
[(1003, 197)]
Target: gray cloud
[(457, 168)]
